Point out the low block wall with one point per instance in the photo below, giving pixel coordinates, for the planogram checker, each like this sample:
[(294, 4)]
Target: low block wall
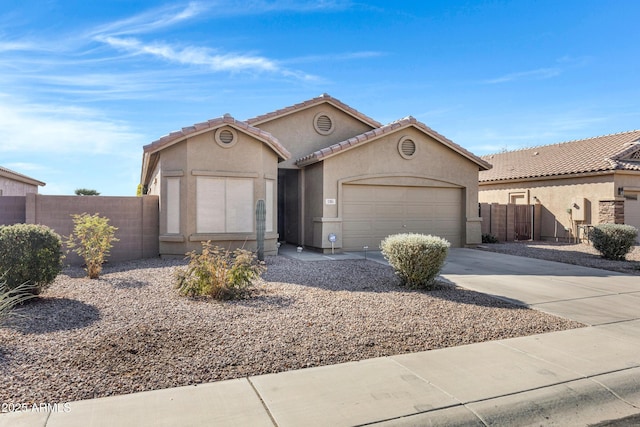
[(135, 217)]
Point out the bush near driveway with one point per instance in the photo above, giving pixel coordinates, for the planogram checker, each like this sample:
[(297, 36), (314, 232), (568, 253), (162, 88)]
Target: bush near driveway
[(614, 241), (416, 258), (30, 254)]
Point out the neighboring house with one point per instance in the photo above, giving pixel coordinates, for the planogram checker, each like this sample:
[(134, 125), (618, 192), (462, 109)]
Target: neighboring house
[(15, 184), (326, 172), (576, 183)]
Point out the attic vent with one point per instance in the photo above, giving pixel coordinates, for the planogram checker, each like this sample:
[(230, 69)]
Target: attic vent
[(226, 137), (635, 156), (407, 147), (323, 124)]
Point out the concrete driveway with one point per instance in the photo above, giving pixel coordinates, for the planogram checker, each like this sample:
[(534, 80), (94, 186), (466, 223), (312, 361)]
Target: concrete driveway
[(588, 295)]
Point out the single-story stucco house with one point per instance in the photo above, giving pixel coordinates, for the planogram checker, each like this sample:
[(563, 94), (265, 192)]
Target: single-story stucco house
[(576, 183), (331, 177), (16, 184)]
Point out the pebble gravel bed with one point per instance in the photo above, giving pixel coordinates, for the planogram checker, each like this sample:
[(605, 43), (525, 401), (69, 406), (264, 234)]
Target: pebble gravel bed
[(130, 331)]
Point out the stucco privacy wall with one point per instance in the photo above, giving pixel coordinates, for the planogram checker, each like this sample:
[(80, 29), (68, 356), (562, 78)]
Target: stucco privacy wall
[(433, 165), (12, 210), (135, 217), (556, 196)]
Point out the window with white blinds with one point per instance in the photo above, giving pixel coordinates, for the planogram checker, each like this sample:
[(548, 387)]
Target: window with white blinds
[(224, 205)]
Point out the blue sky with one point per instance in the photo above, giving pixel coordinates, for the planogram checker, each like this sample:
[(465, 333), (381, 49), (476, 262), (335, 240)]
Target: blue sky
[(85, 84)]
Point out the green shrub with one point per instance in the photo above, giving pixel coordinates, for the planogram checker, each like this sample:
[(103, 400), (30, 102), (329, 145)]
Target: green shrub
[(218, 273), (613, 241), (416, 258), (489, 238), (30, 254), (10, 297), (92, 239)]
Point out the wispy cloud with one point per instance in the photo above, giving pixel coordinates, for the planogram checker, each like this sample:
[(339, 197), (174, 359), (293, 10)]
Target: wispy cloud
[(194, 55), (151, 21), (7, 46), (258, 7), (539, 74), (530, 130), (25, 167), (41, 128), (113, 35), (348, 56)]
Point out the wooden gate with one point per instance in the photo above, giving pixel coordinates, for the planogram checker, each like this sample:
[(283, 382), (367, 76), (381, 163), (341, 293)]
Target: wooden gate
[(523, 222)]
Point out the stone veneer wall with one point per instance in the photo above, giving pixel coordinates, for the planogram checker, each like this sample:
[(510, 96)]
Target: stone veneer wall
[(611, 212)]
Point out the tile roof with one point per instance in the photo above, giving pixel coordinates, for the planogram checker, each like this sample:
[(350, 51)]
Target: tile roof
[(198, 128), (598, 154), (324, 98), (384, 130), (8, 173)]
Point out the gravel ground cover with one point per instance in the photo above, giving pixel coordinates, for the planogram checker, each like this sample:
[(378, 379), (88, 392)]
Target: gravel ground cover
[(578, 254), (130, 331)]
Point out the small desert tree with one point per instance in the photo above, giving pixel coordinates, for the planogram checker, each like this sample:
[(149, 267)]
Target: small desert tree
[(86, 192), (92, 238)]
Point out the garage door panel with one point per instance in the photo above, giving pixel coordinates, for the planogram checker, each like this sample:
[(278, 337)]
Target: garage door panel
[(387, 211), (354, 227), (371, 213)]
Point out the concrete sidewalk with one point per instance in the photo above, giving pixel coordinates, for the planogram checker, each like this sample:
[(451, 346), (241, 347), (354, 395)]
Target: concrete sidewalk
[(568, 378)]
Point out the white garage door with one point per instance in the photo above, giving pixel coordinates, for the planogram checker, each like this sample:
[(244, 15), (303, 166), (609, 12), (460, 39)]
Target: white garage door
[(372, 212), (632, 212)]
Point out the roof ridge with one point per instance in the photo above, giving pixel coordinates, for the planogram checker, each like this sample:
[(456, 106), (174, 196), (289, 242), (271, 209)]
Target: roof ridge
[(311, 102), (201, 127), (389, 128), (562, 142)]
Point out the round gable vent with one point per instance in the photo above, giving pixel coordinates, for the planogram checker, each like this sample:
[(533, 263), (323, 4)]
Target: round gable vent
[(323, 124), (226, 137), (407, 147)]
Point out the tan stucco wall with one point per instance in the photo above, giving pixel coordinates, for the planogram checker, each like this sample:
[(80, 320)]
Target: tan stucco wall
[(10, 187), (201, 155), (629, 179), (297, 133), (556, 196), (379, 162)]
